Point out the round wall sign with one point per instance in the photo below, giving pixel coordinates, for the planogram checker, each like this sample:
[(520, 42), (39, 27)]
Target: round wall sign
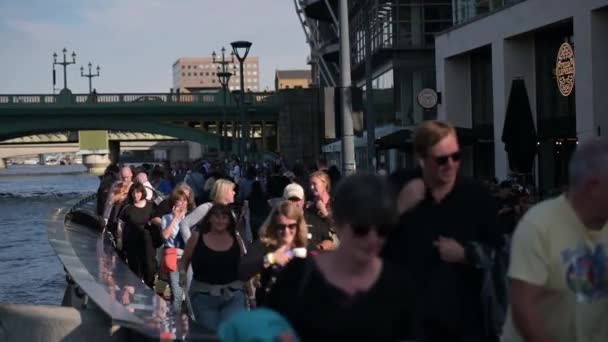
[(565, 69), (427, 98)]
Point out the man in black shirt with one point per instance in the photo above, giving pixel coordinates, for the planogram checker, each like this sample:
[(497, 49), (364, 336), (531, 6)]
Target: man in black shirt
[(444, 218)]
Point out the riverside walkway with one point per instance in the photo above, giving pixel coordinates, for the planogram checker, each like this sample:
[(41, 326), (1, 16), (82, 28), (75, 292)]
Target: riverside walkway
[(99, 280)]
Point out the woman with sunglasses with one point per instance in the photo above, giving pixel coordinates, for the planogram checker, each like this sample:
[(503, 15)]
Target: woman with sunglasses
[(283, 236), (215, 251), (350, 293)]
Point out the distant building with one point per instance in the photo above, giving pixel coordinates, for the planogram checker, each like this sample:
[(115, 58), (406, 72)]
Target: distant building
[(397, 37), (286, 79), (192, 74)]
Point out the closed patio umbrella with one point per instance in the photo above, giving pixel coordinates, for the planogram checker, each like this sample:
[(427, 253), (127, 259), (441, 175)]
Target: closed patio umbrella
[(519, 133)]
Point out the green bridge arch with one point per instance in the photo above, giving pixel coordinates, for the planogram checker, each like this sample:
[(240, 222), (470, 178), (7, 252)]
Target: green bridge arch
[(17, 128)]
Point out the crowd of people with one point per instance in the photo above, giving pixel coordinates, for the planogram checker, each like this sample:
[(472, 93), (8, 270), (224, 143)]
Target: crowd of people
[(417, 255)]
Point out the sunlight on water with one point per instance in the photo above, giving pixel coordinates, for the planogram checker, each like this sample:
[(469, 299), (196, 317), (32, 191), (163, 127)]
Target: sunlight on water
[(32, 272)]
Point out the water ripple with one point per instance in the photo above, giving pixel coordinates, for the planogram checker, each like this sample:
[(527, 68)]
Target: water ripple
[(32, 273)]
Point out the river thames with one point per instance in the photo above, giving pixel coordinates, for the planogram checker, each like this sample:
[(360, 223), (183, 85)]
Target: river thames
[(31, 272)]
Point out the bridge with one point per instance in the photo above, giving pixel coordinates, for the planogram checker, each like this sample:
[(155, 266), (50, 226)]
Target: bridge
[(196, 117)]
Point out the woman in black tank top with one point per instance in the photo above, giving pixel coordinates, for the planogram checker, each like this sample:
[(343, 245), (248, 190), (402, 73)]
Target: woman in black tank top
[(215, 250)]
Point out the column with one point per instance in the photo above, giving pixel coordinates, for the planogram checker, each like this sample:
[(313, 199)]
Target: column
[(94, 148), (2, 164), (584, 77), (263, 132), (500, 93), (454, 82), (591, 54)]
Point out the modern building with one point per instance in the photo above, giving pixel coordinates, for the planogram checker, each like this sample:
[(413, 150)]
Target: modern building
[(392, 44), (479, 59), (290, 79), (192, 74)]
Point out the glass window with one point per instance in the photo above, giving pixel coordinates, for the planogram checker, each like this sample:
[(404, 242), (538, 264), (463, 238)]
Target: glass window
[(183, 67), (183, 74), (188, 74), (189, 66)]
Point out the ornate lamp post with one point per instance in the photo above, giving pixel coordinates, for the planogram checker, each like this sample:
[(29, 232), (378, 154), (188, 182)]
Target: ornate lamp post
[(223, 76), (90, 76), (65, 63), (241, 50)]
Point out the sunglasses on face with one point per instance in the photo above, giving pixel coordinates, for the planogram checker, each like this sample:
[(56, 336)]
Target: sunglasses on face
[(364, 229), (292, 226), (442, 160)]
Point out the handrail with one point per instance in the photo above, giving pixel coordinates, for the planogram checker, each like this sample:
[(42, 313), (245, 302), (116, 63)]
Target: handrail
[(93, 265), (82, 202), (137, 99)]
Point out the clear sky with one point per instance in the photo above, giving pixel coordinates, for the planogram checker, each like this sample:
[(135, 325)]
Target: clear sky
[(136, 42)]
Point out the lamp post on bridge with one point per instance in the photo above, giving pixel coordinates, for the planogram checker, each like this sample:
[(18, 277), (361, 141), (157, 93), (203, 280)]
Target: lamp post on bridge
[(223, 76), (90, 76), (65, 64), (241, 50)]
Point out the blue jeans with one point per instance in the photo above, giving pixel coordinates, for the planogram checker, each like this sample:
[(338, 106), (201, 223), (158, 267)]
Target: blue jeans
[(177, 292), (211, 311)]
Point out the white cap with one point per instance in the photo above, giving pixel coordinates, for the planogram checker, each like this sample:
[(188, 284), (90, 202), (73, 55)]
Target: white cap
[(293, 190)]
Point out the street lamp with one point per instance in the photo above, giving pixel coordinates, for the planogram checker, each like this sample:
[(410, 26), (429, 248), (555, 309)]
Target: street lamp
[(223, 76), (90, 76), (241, 50), (65, 63)]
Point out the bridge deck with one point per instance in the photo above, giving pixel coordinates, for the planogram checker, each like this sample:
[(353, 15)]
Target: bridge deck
[(92, 263)]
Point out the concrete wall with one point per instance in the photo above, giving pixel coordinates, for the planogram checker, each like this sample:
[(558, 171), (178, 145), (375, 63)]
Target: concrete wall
[(510, 34), (46, 323), (300, 125)]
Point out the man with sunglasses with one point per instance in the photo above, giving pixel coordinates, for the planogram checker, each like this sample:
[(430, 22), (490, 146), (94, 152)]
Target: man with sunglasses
[(445, 220)]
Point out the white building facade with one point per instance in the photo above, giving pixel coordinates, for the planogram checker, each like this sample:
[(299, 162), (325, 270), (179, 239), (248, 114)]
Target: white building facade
[(477, 61)]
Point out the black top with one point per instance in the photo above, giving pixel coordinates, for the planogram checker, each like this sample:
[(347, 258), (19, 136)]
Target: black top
[(318, 227), (448, 292), (275, 185), (252, 264), (319, 311), (213, 267), (163, 208), (136, 220)]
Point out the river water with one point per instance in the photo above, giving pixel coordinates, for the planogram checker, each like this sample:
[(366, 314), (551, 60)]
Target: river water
[(30, 271)]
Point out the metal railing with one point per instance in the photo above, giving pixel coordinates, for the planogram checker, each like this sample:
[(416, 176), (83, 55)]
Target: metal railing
[(83, 202), (135, 99)]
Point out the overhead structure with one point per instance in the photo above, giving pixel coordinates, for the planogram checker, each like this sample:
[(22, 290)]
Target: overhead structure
[(321, 27)]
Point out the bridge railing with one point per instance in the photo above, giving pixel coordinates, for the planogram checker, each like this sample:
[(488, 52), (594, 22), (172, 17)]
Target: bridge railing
[(27, 99), (212, 98)]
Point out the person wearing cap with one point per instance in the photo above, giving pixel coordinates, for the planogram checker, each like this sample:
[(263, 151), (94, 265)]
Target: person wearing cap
[(318, 228), (283, 236)]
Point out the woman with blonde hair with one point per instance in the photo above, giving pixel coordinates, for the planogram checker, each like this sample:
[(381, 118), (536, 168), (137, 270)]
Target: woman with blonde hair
[(320, 209), (283, 236), (222, 192)]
